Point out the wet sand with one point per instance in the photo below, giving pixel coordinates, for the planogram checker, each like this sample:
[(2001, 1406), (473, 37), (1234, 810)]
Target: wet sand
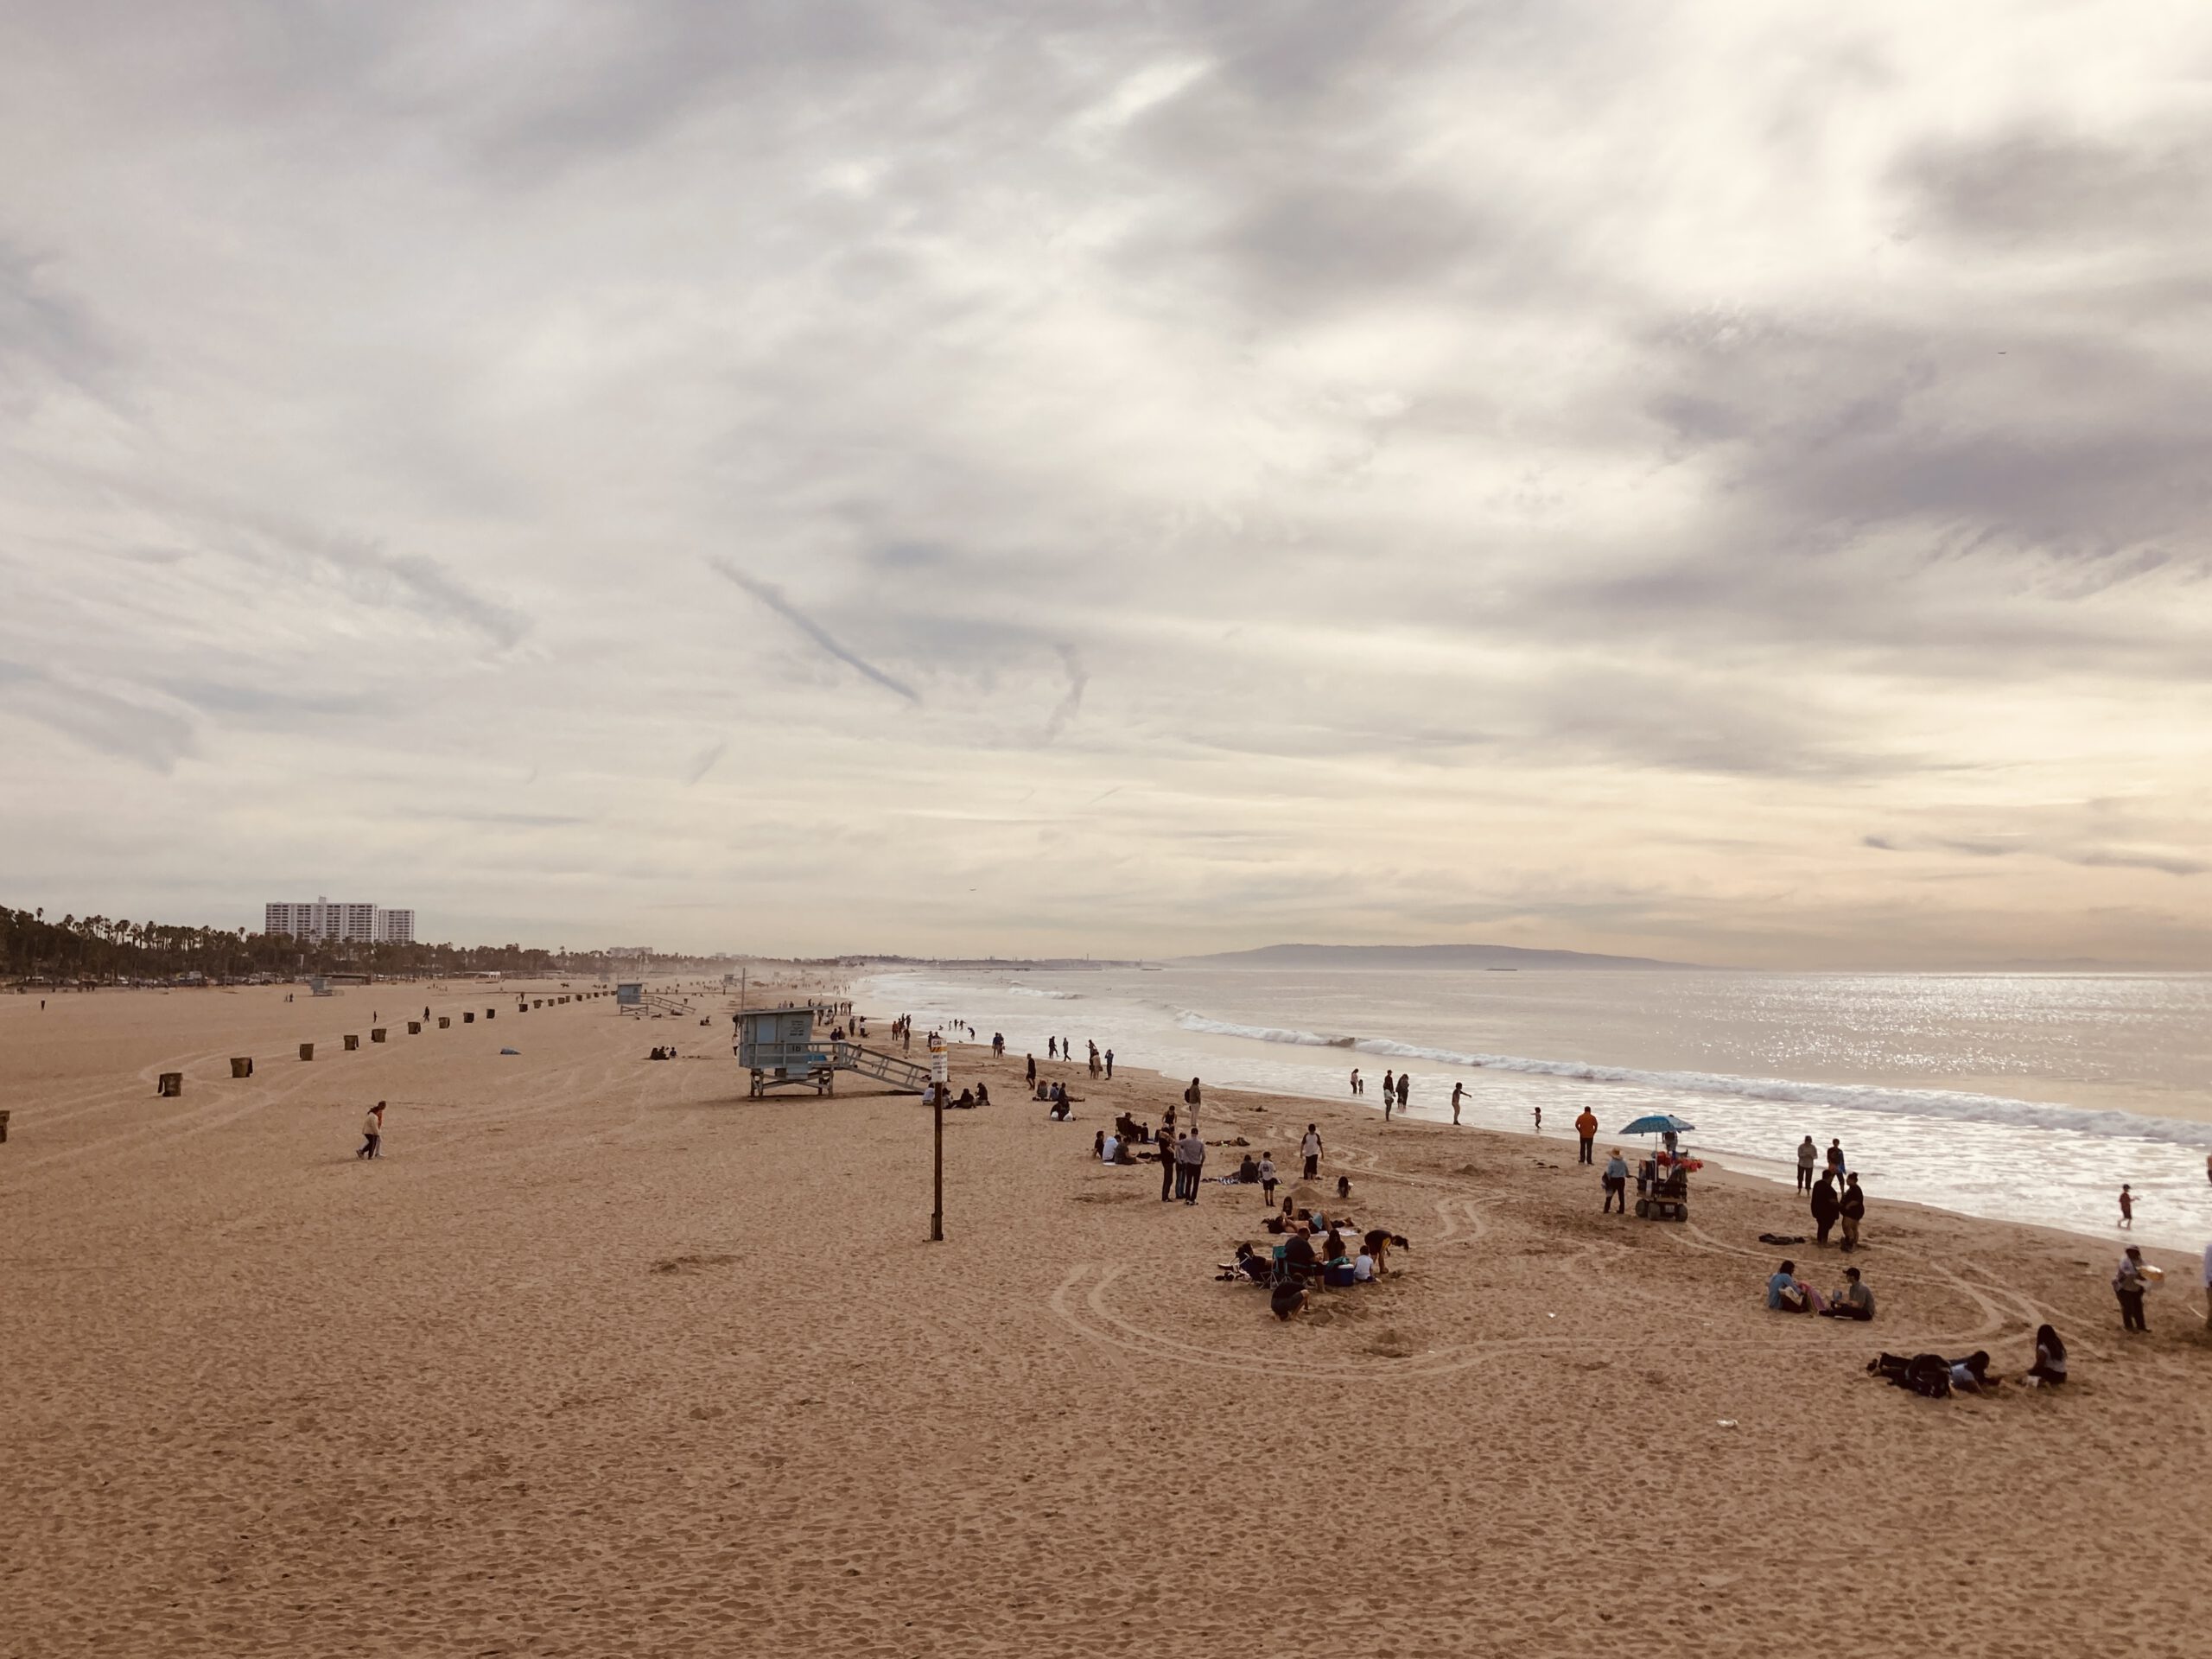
[(604, 1358)]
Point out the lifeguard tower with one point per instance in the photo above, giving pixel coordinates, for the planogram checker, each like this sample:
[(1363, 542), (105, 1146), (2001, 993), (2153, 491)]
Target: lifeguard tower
[(780, 1048), (784, 1048)]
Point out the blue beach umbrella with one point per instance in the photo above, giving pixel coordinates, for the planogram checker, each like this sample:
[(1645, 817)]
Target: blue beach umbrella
[(1658, 1123)]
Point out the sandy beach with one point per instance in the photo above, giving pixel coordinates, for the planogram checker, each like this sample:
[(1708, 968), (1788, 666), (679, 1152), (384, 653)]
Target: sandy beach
[(603, 1358)]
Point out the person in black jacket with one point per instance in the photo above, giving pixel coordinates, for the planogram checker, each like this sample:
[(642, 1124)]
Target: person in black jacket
[(1852, 1209), (1826, 1207)]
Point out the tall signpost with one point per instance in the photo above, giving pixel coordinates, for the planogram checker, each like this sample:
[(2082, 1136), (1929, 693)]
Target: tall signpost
[(940, 1073)]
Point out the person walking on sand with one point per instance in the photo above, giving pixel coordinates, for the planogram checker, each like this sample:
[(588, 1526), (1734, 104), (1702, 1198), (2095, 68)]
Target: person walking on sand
[(1851, 1211), (1193, 1151), (1268, 1190), (2129, 1283), (1615, 1181), (1405, 1088), (1457, 1089), (1585, 1129), (1807, 1155), (1052, 1048), (1826, 1208), (1388, 1101), (1389, 1088), (2126, 1207), (1310, 1147), (373, 1133)]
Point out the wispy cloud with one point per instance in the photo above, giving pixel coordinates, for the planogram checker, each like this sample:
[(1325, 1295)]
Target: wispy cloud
[(773, 596)]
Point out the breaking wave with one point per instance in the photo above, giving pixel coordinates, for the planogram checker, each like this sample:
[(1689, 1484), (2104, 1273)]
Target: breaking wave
[(1859, 1097)]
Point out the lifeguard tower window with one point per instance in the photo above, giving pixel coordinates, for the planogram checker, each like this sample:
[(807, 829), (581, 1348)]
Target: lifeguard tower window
[(629, 996)]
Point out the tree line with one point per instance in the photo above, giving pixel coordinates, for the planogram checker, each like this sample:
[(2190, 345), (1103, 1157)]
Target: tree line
[(106, 951)]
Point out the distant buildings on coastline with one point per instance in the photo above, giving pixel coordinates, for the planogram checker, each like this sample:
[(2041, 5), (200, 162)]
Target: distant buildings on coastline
[(625, 952), (340, 923)]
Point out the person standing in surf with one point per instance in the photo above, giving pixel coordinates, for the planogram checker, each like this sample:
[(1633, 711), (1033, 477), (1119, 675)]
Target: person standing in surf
[(1405, 1089), (1458, 1089)]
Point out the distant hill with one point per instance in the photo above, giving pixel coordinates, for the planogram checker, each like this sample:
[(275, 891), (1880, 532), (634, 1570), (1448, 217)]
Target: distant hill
[(1417, 956)]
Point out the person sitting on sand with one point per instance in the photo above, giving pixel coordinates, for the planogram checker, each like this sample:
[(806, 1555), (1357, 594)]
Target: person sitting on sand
[(1297, 1255), (1286, 1299), (1247, 1173), (1375, 1244), (982, 1094), (1787, 1293), (1098, 1146), (1109, 1147), (966, 1100), (2049, 1369), (1363, 1269), (1854, 1301), (1059, 1112), (1332, 1246), (1344, 1187)]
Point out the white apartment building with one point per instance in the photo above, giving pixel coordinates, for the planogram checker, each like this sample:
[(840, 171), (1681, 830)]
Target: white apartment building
[(342, 923)]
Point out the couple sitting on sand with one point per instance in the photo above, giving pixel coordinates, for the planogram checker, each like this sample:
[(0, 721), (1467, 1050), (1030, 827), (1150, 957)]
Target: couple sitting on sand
[(1787, 1293)]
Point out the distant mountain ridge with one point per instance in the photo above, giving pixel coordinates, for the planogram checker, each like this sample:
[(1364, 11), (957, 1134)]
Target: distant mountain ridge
[(1419, 956)]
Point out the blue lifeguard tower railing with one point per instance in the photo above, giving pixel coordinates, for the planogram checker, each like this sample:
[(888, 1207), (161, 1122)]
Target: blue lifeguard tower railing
[(787, 1048)]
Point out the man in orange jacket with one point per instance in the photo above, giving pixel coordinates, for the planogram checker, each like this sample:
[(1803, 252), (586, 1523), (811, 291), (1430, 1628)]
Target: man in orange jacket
[(1586, 1127)]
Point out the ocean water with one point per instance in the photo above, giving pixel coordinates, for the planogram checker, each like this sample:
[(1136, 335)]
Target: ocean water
[(2021, 1097)]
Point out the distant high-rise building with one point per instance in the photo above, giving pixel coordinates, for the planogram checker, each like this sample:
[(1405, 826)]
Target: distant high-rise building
[(340, 924)]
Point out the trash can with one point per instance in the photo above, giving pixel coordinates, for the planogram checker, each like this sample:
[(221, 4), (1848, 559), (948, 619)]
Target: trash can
[(444, 1020), (172, 1082), (376, 1033), (414, 1027), (241, 1065), (352, 1040), (307, 1051)]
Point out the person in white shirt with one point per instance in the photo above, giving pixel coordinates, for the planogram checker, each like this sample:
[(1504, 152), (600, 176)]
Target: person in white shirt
[(373, 1133), (1363, 1269), (1312, 1148), (1267, 1190), (1109, 1149)]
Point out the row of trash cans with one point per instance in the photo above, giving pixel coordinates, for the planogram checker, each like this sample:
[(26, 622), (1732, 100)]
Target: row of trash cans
[(171, 1084)]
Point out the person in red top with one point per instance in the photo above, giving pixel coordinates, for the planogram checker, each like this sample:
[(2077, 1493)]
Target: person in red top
[(1586, 1127)]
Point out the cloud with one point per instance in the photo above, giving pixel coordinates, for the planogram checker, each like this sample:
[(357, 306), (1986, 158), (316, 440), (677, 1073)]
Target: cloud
[(1071, 704), (773, 596)]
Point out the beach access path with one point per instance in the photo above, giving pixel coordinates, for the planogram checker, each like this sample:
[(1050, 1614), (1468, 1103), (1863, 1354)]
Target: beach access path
[(603, 1358)]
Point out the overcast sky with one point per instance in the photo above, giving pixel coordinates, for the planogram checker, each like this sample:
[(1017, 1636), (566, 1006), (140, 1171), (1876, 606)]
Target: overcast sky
[(1708, 480)]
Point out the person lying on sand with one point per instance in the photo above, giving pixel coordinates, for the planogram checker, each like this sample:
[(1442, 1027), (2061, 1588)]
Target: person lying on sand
[(1787, 1293), (1249, 1265), (1972, 1375), (1927, 1375), (1854, 1301)]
